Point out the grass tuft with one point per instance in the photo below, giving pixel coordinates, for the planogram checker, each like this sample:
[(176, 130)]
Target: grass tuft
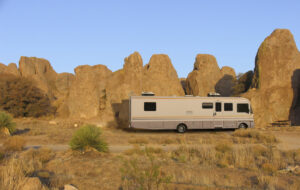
[(88, 136), (6, 121)]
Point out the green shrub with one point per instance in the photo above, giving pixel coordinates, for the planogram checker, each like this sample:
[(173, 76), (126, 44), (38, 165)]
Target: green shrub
[(20, 97), (6, 121), (88, 136)]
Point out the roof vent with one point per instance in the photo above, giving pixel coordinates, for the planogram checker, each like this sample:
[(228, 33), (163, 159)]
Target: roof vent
[(148, 94), (213, 94)]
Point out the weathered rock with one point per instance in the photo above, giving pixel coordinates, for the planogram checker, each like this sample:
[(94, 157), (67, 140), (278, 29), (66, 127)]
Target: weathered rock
[(86, 91), (204, 77), (225, 85), (41, 72), (10, 69), (160, 77), (228, 71), (70, 187), (122, 84), (243, 83), (63, 82), (277, 65), (183, 84), (32, 183)]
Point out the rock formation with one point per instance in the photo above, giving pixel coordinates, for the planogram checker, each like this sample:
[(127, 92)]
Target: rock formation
[(228, 71), (10, 69), (276, 66), (41, 72), (225, 85), (122, 84), (243, 83), (160, 77), (204, 77), (86, 91)]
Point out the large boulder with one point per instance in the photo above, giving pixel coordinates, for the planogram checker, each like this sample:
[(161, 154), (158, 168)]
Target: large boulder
[(243, 83), (87, 93), (32, 183), (228, 71), (10, 69), (275, 86), (160, 77), (42, 73), (225, 85), (121, 85), (204, 77)]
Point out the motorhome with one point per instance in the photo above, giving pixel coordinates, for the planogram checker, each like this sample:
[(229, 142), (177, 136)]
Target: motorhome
[(182, 113)]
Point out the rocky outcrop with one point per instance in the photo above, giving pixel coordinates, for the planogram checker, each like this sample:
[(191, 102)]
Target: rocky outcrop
[(85, 99), (41, 72), (160, 77), (228, 71), (225, 85), (10, 69), (204, 77), (276, 65), (243, 83), (121, 85), (32, 183)]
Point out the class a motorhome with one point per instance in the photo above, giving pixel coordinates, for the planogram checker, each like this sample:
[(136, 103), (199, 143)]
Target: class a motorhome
[(182, 113)]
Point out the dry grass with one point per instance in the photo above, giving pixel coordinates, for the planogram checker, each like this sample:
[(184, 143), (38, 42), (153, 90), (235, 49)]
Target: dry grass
[(14, 143), (15, 173), (145, 172), (255, 135), (140, 141)]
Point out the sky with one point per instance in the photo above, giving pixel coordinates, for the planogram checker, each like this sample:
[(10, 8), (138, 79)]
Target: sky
[(70, 33)]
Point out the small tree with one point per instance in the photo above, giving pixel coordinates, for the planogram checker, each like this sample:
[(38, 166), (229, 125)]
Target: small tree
[(88, 136), (6, 121), (20, 97)]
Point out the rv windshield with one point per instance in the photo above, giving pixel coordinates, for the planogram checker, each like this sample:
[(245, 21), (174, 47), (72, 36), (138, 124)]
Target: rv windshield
[(251, 109)]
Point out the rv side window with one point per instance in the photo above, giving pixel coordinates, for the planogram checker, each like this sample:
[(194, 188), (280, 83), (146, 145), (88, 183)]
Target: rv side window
[(228, 107), (149, 106), (218, 106), (207, 105), (243, 108)]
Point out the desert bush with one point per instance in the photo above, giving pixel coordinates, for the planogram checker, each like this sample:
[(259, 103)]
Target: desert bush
[(144, 174), (6, 121), (255, 134), (88, 136), (14, 143), (20, 97)]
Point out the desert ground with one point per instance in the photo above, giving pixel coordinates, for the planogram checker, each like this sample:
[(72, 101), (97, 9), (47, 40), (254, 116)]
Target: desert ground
[(260, 158)]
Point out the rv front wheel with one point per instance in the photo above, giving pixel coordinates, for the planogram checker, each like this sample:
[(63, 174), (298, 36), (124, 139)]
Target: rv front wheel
[(243, 126), (181, 128)]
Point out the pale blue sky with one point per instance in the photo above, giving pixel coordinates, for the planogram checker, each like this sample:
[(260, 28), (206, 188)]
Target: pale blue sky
[(71, 32)]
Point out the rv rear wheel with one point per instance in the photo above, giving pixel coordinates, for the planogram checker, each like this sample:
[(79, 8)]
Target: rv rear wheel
[(243, 126), (181, 128)]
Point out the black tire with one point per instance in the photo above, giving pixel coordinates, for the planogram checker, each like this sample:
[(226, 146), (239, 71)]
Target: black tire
[(181, 128), (243, 126)]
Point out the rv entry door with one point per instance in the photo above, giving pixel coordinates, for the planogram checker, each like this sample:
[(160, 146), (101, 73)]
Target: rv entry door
[(217, 119)]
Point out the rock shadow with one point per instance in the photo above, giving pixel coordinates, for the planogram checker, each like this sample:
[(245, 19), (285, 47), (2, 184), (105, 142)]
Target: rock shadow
[(295, 108), (225, 86), (121, 113)]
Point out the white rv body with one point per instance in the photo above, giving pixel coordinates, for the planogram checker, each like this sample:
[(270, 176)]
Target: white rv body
[(168, 112)]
